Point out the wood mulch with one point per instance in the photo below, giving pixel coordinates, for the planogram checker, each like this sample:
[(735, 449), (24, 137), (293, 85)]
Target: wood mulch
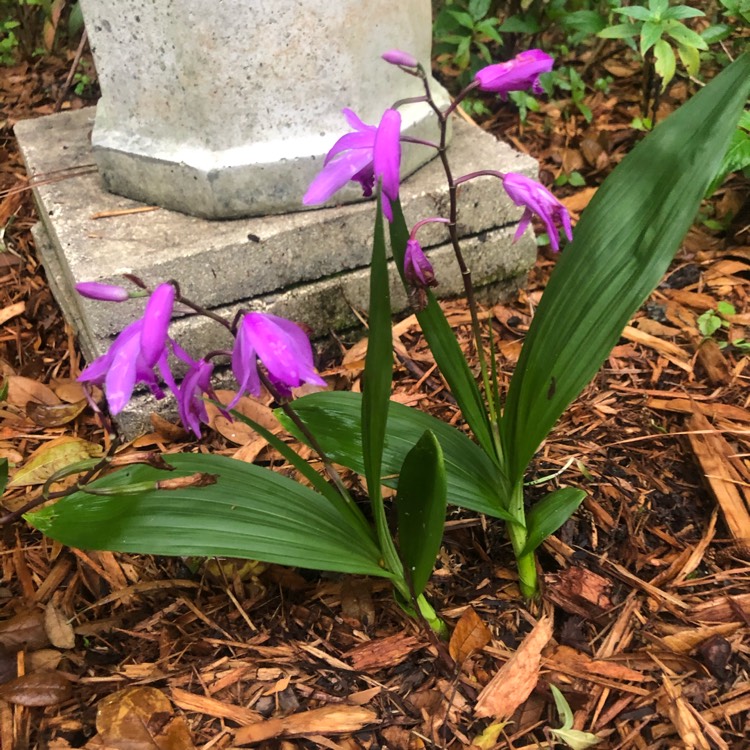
[(643, 624)]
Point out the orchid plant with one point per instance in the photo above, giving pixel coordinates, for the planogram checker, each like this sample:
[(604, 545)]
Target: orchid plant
[(212, 505)]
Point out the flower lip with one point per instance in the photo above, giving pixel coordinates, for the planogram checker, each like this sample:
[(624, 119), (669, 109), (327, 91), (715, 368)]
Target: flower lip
[(105, 292), (398, 57), (281, 346), (518, 74), (536, 199)]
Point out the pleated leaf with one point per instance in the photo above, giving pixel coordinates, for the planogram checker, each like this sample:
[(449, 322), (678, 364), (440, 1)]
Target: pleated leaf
[(472, 478), (623, 245), (420, 509), (250, 513), (443, 345), (549, 514)]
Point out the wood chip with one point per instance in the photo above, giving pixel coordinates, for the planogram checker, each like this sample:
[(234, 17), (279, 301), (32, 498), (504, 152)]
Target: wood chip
[(326, 720), (513, 684)]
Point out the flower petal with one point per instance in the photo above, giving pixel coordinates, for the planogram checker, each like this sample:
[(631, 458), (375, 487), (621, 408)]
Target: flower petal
[(387, 152), (335, 175), (156, 321)]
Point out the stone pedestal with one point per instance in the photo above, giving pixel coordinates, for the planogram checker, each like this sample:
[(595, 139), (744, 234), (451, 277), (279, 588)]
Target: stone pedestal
[(226, 109), (310, 266)]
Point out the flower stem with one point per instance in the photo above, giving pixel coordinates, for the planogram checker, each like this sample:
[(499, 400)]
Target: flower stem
[(453, 232)]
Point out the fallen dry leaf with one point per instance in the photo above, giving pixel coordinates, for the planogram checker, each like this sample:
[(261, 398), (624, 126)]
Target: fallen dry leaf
[(469, 635), (24, 630), (326, 720), (52, 457), (513, 684), (22, 390), (58, 627), (42, 688), (54, 415), (141, 718)]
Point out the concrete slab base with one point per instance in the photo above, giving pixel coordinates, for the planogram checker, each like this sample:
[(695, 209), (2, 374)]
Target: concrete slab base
[(309, 266)]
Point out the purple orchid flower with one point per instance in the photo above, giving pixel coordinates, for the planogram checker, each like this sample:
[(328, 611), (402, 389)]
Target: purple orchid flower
[(281, 346), (536, 199), (417, 268), (367, 154), (518, 74), (196, 382), (104, 292), (135, 354)]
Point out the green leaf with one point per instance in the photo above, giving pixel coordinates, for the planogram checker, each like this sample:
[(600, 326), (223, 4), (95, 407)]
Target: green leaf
[(737, 155), (585, 21), (623, 244), (717, 32), (619, 31), (488, 29), (343, 504), (250, 513), (3, 474), (679, 12), (650, 35), (549, 514), (376, 386), (464, 19), (690, 58), (686, 36), (658, 6), (420, 509), (526, 24), (636, 11), (479, 8), (444, 346), (664, 62), (474, 481)]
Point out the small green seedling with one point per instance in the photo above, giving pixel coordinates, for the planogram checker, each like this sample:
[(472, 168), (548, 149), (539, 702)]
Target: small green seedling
[(573, 738), (712, 321)]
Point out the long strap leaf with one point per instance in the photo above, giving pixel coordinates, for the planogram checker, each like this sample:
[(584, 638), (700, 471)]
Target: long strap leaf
[(622, 247), (249, 512)]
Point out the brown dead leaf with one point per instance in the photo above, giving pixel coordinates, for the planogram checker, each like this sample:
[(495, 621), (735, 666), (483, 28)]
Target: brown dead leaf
[(469, 635), (54, 415), (173, 432), (8, 666), (44, 658), (58, 627), (672, 704), (22, 390), (327, 720), (513, 684), (579, 200), (69, 391), (356, 601), (24, 630), (236, 431), (52, 457), (11, 311), (141, 718), (42, 688)]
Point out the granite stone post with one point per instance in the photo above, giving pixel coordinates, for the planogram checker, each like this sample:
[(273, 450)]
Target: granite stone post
[(226, 109)]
